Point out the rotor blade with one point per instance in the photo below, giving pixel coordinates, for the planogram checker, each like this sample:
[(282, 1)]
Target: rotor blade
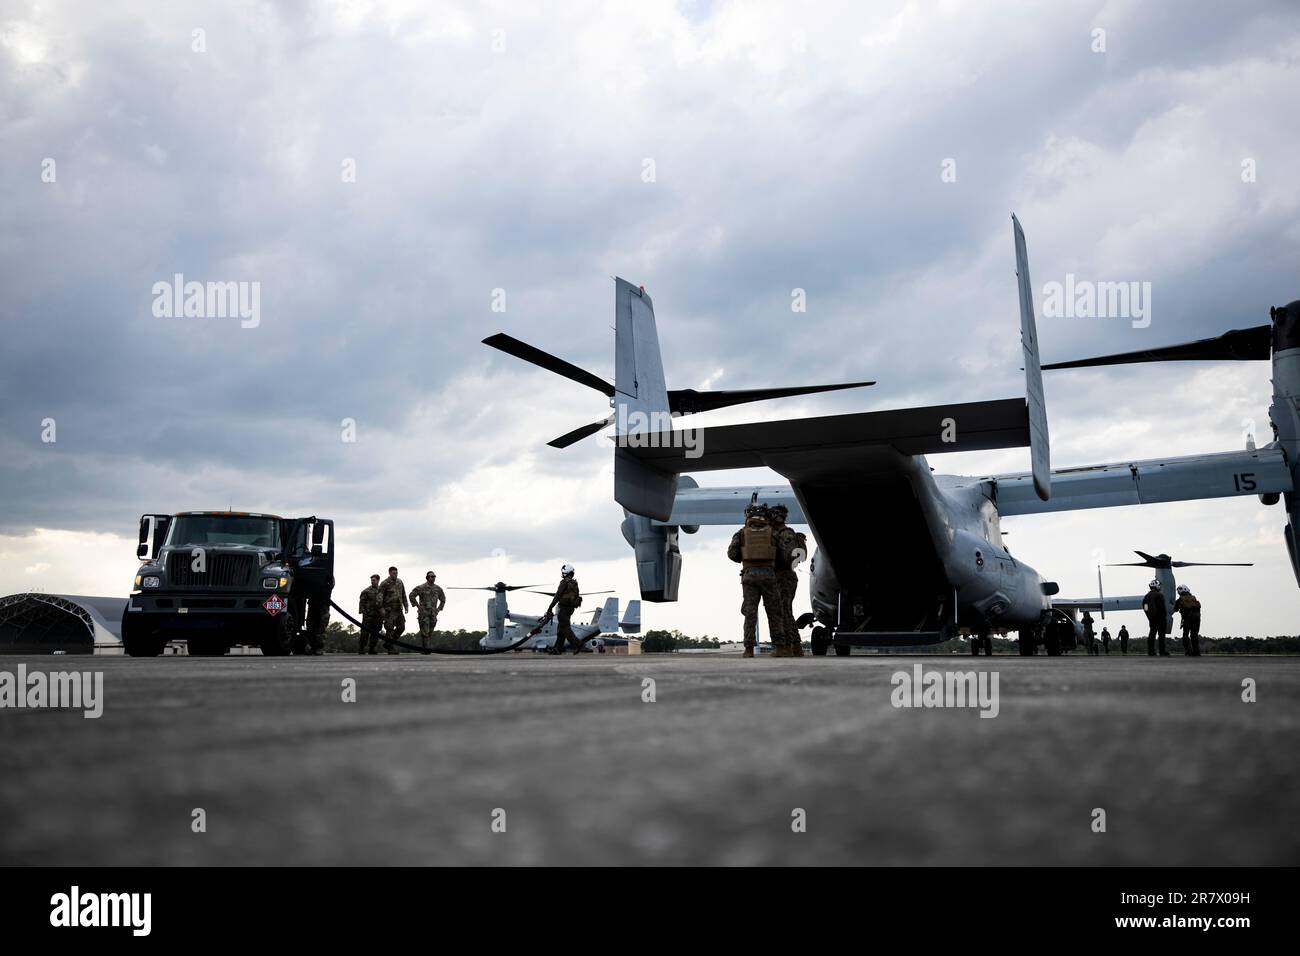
[(584, 593), (578, 434), (508, 587), (522, 350), (688, 401), (1255, 343), (1213, 564)]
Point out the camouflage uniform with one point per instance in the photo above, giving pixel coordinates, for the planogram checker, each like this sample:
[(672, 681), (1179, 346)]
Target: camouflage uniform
[(758, 582), (392, 595), (568, 598), (1123, 639), (429, 599), (371, 609), (1153, 605), (788, 542), (1189, 611)]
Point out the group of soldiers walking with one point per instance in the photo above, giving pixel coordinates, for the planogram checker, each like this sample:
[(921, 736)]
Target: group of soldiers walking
[(384, 606), (1156, 610), (768, 551)]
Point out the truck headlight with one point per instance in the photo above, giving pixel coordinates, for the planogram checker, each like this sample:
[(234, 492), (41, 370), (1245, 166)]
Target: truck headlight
[(150, 581), (270, 584)]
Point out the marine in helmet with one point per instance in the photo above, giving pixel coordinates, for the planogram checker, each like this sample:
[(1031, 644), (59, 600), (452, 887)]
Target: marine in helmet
[(1153, 606), (756, 549), (568, 598), (1089, 634), (1189, 613), (792, 546)]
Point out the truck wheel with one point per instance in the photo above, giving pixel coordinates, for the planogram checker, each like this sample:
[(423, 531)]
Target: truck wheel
[(1027, 644), (820, 642), (206, 647), (278, 639), (1053, 643), (140, 639), (975, 647), (843, 650)]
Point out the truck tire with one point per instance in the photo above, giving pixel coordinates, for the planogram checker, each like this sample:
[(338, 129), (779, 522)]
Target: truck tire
[(278, 638), (140, 639), (843, 650), (1027, 643)]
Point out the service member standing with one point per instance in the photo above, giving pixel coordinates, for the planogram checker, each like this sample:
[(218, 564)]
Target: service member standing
[(1189, 613), (1105, 639), (567, 599), (429, 600), (789, 543), (1123, 638), (1089, 634), (393, 595), (1157, 612), (372, 617), (754, 548)]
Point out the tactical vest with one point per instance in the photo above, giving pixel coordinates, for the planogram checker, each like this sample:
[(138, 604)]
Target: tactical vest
[(757, 546)]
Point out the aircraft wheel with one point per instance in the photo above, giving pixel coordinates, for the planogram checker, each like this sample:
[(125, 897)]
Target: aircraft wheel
[(820, 642), (988, 645), (1027, 644), (843, 650), (279, 635), (206, 647)]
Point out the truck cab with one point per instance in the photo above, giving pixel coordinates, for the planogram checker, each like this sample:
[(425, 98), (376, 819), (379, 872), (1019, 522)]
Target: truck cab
[(217, 579)]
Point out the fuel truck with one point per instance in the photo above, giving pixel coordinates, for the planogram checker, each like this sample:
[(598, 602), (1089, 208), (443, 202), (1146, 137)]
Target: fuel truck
[(218, 579)]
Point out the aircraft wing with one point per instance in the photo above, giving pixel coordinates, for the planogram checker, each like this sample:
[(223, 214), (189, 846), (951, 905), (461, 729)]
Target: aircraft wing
[(726, 505), (1124, 602), (1222, 475)]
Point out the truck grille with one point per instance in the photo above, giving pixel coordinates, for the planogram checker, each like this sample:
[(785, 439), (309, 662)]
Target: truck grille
[(224, 571)]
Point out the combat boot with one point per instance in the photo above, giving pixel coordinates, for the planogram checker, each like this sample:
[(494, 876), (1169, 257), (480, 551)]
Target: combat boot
[(749, 651), (796, 649), (780, 650)]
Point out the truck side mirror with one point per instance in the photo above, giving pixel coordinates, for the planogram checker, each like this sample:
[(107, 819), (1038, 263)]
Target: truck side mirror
[(153, 528)]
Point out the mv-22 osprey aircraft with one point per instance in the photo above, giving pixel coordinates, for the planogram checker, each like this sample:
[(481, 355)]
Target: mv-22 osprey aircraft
[(905, 556), (505, 627)]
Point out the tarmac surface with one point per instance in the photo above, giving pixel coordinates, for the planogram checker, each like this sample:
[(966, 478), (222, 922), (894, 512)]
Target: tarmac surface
[(582, 770)]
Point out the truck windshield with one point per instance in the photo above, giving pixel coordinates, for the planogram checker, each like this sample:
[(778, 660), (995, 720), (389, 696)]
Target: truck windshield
[(224, 529)]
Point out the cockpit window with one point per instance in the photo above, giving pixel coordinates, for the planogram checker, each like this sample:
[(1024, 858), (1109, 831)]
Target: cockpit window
[(224, 529)]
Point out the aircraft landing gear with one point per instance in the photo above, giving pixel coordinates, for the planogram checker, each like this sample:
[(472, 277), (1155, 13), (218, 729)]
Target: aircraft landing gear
[(821, 641), (982, 639)]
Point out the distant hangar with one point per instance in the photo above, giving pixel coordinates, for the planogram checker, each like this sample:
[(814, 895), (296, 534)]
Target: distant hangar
[(39, 623)]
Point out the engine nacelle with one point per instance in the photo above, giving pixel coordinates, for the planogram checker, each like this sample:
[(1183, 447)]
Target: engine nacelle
[(658, 559)]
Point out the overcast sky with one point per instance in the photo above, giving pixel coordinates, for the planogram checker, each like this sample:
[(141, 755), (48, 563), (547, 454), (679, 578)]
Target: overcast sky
[(721, 154)]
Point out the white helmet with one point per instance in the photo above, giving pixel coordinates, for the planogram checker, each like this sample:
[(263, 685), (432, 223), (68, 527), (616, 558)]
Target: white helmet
[(566, 570), (1184, 589), (1155, 582)]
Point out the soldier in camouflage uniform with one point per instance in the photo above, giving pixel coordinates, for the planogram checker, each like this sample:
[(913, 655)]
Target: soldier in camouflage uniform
[(1189, 611), (429, 599), (791, 547), (568, 598), (392, 595), (372, 617), (754, 547)]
